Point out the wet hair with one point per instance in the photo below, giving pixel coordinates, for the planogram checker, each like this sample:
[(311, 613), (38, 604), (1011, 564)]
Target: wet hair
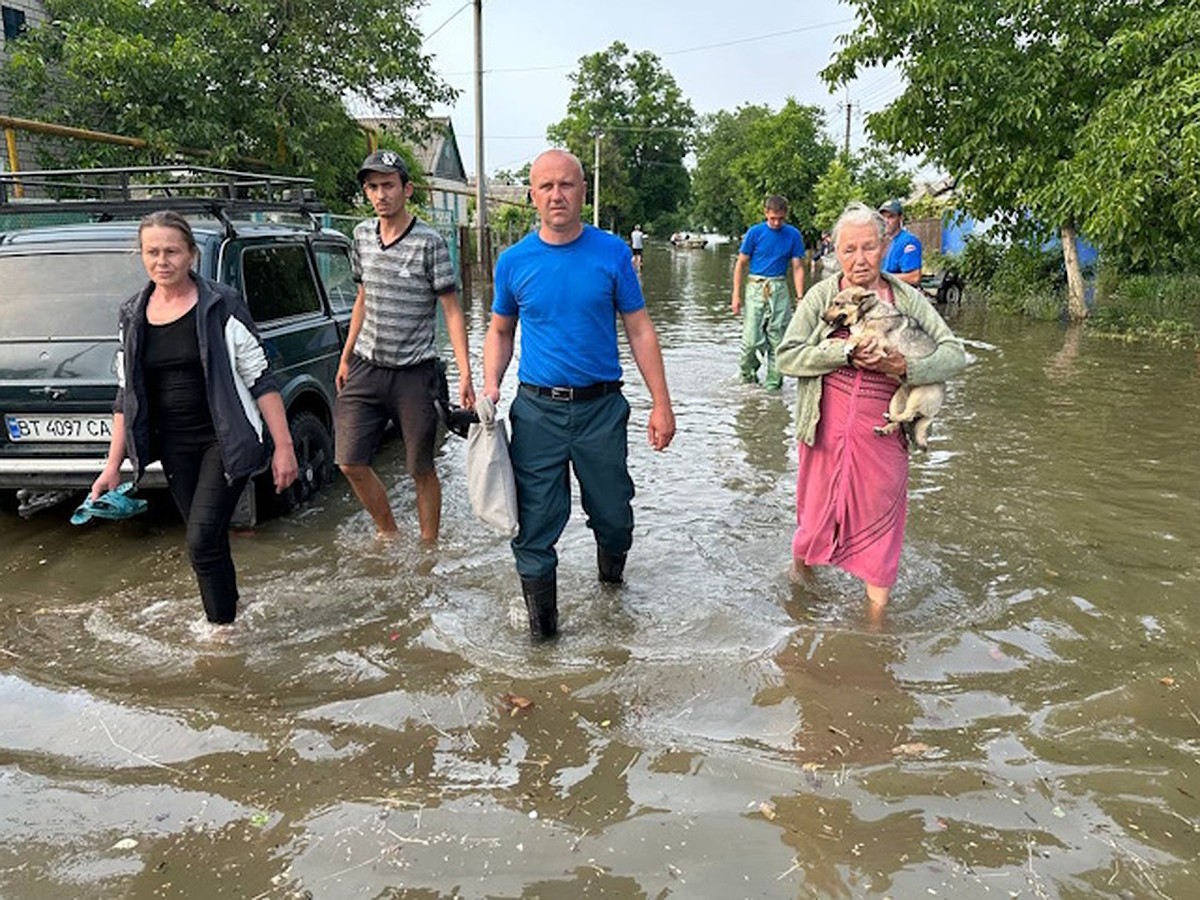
[(859, 214), (776, 203), (168, 218)]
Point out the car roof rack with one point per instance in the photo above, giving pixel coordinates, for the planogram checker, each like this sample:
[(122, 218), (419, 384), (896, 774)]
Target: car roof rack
[(133, 191)]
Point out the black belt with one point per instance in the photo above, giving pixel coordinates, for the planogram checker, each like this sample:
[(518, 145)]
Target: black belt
[(566, 394)]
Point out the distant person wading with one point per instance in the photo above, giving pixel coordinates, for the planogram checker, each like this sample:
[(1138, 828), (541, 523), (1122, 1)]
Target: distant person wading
[(770, 251)]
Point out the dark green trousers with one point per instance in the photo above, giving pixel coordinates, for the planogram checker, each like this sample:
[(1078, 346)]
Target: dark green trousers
[(551, 437)]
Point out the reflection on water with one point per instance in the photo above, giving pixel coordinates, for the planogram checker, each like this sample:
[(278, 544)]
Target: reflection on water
[(379, 725)]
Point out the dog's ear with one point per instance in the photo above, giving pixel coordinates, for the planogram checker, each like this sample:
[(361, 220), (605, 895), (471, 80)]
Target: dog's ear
[(868, 300)]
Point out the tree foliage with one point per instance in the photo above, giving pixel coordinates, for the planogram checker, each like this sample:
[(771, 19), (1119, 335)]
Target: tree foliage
[(833, 191), (1052, 114), (1133, 178), (880, 175), (645, 127), (745, 156), (256, 80), (718, 197), (870, 176), (507, 176)]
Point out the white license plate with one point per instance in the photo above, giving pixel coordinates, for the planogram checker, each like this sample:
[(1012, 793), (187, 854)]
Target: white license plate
[(64, 429)]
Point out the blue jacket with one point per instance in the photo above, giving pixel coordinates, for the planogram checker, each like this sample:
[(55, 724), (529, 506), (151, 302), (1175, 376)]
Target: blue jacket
[(235, 375)]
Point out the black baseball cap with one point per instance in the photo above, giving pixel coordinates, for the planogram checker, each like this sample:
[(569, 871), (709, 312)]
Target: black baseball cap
[(895, 207), (385, 162)]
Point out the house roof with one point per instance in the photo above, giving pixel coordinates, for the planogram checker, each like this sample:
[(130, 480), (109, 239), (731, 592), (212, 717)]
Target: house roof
[(438, 154), (515, 193)]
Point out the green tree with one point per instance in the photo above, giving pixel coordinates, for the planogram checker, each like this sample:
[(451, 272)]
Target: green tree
[(507, 176), (870, 176), (880, 175), (832, 192), (255, 79), (644, 125), (745, 156), (1047, 112), (719, 197), (1133, 178), (787, 154), (512, 221)]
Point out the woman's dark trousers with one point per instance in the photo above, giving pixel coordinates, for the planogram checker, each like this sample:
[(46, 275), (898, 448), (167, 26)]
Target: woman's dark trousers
[(207, 501)]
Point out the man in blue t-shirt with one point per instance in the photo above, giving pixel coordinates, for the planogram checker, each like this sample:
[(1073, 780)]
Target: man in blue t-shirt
[(904, 253), (770, 250), (566, 283)]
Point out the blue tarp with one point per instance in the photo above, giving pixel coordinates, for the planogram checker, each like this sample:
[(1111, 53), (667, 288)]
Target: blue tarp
[(958, 226), (955, 229)]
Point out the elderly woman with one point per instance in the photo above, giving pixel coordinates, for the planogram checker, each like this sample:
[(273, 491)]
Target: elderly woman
[(852, 490)]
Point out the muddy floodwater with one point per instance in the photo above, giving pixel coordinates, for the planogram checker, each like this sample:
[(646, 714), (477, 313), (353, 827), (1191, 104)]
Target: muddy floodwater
[(1025, 722)]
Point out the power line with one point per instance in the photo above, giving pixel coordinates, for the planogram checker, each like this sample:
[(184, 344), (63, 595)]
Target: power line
[(761, 37), (633, 128), (881, 94), (453, 16), (745, 40)]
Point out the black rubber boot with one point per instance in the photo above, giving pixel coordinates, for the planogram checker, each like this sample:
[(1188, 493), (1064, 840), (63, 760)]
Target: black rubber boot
[(541, 599), (611, 565)]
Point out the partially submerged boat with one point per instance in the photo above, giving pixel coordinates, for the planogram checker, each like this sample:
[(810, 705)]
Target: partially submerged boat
[(685, 240)]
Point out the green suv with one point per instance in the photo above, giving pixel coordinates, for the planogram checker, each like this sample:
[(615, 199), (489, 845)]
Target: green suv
[(62, 284)]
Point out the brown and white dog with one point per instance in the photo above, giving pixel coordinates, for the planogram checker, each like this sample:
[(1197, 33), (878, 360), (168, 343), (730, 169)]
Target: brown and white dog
[(912, 406)]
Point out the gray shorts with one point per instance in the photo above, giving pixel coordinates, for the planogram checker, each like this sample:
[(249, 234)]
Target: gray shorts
[(374, 395)]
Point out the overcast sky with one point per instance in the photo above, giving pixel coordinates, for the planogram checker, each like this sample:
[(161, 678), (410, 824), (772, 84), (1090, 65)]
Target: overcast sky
[(722, 54)]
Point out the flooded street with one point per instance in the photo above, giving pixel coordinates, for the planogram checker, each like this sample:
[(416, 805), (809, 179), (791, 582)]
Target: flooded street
[(1026, 722)]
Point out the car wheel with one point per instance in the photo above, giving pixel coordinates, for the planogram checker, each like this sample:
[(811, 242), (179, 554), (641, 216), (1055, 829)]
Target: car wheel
[(950, 294), (314, 455)]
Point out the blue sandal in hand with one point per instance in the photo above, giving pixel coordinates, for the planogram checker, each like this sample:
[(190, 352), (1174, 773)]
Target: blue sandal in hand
[(114, 504)]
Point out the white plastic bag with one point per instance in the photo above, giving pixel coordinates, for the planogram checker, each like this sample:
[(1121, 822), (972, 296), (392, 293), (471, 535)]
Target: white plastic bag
[(490, 484)]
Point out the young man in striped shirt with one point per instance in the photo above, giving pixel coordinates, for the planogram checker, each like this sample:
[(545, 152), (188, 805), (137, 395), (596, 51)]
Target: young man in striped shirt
[(389, 366)]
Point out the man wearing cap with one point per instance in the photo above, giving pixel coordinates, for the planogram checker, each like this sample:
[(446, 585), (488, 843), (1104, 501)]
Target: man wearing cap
[(389, 368), (770, 251), (904, 253), (567, 283)]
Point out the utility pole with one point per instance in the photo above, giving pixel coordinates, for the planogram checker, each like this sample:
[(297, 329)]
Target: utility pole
[(846, 140), (483, 254), (596, 183)]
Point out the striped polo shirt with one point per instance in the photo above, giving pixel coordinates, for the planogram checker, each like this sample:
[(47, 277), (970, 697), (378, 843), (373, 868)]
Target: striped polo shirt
[(403, 281)]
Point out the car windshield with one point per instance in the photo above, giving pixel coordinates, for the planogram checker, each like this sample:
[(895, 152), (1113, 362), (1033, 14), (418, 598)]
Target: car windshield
[(66, 294)]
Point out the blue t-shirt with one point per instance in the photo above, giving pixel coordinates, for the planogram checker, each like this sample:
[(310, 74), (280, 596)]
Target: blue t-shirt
[(904, 254), (567, 297), (771, 250)]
